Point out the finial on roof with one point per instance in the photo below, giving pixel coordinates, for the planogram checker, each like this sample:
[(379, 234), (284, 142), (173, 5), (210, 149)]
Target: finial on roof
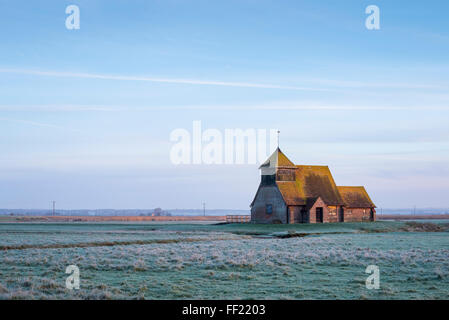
[(278, 138)]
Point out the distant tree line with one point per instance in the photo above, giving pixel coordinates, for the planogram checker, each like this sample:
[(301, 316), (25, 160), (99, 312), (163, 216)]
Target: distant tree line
[(158, 212)]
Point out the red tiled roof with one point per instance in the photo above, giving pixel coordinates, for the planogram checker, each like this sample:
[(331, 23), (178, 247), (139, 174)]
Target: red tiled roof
[(310, 182), (317, 181), (356, 197), (291, 193)]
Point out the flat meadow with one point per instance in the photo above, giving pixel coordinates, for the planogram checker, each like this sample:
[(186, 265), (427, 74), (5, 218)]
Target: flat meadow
[(207, 260)]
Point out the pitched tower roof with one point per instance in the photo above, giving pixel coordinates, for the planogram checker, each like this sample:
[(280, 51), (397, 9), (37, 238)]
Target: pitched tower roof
[(276, 160)]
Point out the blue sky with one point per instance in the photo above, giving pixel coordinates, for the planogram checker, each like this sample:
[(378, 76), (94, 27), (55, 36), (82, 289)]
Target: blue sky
[(85, 115)]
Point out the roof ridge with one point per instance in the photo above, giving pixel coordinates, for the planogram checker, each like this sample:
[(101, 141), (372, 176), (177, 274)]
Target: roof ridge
[(351, 186), (311, 165)]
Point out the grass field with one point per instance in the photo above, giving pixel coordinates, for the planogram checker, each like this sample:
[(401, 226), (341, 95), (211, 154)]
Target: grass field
[(161, 260)]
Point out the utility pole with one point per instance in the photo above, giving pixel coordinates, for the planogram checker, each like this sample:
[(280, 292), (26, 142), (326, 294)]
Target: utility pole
[(204, 208), (54, 205)]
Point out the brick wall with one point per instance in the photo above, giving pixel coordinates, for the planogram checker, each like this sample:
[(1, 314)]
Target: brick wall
[(312, 212), (358, 214), (332, 215)]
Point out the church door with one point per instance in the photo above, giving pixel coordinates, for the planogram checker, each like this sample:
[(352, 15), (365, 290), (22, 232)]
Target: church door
[(341, 215), (304, 216), (319, 215)]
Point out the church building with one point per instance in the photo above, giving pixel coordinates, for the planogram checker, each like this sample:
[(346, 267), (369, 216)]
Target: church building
[(290, 193)]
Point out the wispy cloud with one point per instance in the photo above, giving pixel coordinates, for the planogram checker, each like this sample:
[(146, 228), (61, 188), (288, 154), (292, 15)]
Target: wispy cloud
[(316, 84), (158, 80), (36, 124), (339, 83), (64, 107), (268, 107), (301, 106)]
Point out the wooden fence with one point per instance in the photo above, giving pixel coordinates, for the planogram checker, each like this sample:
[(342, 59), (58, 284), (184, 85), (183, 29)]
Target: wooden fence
[(238, 219)]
